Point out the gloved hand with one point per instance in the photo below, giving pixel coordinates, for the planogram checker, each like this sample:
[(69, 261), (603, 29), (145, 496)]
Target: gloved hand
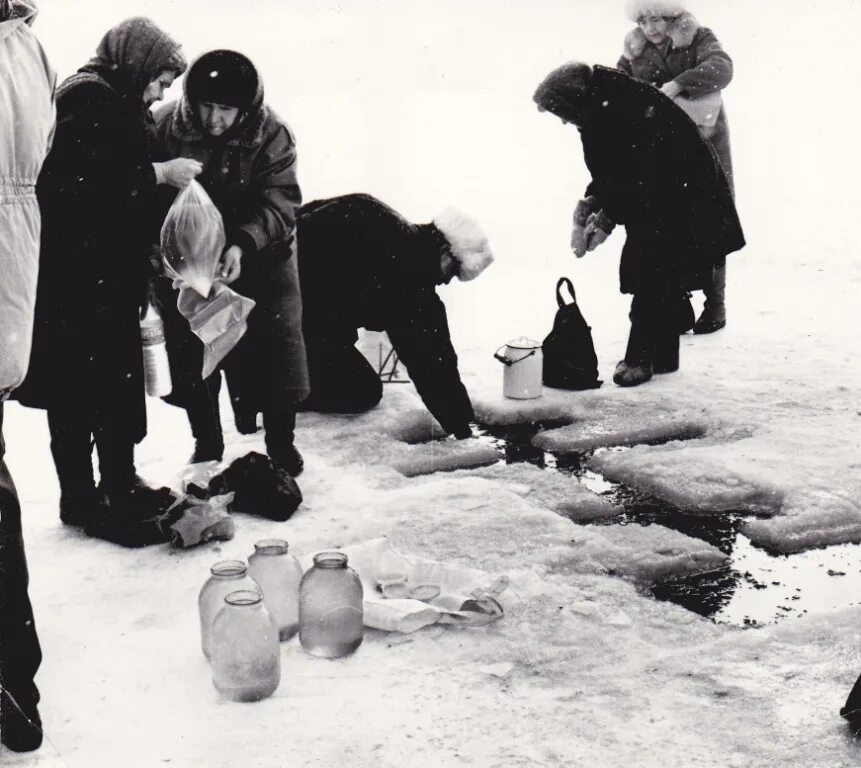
[(578, 240), (179, 172), (597, 230)]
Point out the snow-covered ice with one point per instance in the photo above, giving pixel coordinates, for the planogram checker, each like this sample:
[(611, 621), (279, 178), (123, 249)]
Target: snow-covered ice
[(428, 104)]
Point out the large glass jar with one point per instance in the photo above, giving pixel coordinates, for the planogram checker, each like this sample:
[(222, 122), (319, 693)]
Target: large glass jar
[(278, 573), (227, 576), (246, 656), (330, 607)]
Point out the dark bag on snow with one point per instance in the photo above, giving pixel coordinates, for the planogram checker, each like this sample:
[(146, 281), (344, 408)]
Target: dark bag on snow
[(259, 488), (570, 361), (851, 711)]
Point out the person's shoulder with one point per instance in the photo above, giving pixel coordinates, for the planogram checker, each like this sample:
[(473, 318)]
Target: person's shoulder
[(164, 112), (271, 127)]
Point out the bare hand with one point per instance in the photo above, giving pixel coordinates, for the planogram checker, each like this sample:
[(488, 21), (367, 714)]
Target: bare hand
[(671, 89), (180, 171), (231, 264)]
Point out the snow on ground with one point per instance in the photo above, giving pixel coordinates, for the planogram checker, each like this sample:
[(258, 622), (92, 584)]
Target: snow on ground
[(426, 104)]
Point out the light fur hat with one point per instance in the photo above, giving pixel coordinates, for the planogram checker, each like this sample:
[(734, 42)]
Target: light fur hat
[(637, 8), (468, 243)]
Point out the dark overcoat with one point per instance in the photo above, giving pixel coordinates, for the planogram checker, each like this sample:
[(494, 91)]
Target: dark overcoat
[(362, 265), (693, 57), (96, 194), (251, 177), (652, 172)]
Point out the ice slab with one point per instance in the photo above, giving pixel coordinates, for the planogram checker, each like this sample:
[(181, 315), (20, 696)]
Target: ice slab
[(495, 523), (810, 519), (443, 456), (705, 478), (562, 493), (554, 406), (601, 431)]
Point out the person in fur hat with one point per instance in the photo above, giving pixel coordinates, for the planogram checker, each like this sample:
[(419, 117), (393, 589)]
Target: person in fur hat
[(362, 264), (670, 50), (248, 155), (652, 172)]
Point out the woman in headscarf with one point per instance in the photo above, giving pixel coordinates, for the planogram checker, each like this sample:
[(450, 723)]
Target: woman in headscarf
[(670, 50), (249, 171), (96, 193)]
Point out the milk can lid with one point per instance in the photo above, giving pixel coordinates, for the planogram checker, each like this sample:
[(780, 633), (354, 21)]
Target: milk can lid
[(523, 343)]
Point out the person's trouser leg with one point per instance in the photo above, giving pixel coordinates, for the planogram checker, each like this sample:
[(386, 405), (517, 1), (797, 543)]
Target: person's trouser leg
[(20, 652), (72, 450), (204, 417), (342, 380)]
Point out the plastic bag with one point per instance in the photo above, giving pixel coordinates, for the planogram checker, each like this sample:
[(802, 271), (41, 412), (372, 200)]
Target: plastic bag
[(193, 239)]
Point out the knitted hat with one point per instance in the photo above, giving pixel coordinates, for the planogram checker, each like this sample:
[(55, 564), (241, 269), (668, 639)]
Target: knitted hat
[(467, 241), (669, 8), (223, 77)]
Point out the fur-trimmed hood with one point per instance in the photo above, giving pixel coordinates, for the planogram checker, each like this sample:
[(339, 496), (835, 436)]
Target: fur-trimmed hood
[(681, 30), (185, 127)]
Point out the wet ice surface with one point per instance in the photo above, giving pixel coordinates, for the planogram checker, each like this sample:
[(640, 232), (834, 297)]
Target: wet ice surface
[(755, 587)]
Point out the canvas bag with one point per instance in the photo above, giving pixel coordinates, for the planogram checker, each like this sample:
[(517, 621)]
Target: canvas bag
[(703, 110), (570, 361)]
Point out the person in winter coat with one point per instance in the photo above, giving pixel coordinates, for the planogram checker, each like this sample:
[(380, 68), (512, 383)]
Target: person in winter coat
[(652, 172), (96, 193), (362, 264), (248, 156), (670, 50), (26, 127)]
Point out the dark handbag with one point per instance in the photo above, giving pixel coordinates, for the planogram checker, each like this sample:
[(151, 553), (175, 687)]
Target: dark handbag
[(570, 361)]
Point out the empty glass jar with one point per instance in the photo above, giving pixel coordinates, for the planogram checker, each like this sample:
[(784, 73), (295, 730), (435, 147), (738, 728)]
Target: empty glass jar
[(246, 656), (227, 576), (330, 607), (278, 573)]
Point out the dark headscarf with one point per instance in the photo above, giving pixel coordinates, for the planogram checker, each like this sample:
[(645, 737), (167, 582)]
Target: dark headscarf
[(564, 92), (133, 54)]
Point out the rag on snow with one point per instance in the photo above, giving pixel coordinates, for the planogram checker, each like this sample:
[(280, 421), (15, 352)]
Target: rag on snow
[(192, 242)]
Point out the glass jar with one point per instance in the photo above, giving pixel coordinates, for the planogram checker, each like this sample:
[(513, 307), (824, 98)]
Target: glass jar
[(246, 657), (227, 576), (278, 573), (330, 607)]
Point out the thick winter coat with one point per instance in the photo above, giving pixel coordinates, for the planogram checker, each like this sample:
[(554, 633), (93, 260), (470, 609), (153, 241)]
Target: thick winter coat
[(26, 91), (695, 60), (250, 174), (363, 265), (651, 171), (97, 194)]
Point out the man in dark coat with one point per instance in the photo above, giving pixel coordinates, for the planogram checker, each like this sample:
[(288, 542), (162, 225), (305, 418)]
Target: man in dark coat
[(248, 156), (363, 265), (651, 171), (96, 193), (26, 125)]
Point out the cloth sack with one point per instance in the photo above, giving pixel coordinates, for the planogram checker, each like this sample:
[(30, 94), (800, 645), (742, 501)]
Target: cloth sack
[(570, 361), (703, 110)]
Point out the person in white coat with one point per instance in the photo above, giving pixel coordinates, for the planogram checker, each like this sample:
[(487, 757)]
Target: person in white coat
[(27, 120)]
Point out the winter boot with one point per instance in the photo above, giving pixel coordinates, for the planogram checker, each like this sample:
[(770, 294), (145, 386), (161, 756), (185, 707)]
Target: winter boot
[(20, 723), (291, 461), (280, 432), (713, 316), (246, 423), (77, 507), (628, 375), (205, 422)]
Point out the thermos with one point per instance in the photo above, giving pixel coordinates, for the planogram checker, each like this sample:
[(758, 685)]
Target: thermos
[(156, 366)]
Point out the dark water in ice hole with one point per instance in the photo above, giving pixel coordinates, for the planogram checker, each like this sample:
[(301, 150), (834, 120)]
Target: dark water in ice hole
[(755, 587)]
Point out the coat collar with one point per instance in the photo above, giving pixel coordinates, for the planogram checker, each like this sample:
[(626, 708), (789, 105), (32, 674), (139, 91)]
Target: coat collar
[(183, 126), (681, 31)]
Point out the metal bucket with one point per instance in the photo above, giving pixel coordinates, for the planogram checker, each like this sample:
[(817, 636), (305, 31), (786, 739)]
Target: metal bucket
[(524, 364)]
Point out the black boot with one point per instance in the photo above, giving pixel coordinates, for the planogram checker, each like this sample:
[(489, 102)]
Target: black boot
[(713, 316), (20, 723), (280, 433), (72, 449)]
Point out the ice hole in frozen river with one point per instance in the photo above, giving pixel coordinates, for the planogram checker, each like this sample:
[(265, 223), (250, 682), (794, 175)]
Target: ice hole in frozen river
[(755, 587)]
